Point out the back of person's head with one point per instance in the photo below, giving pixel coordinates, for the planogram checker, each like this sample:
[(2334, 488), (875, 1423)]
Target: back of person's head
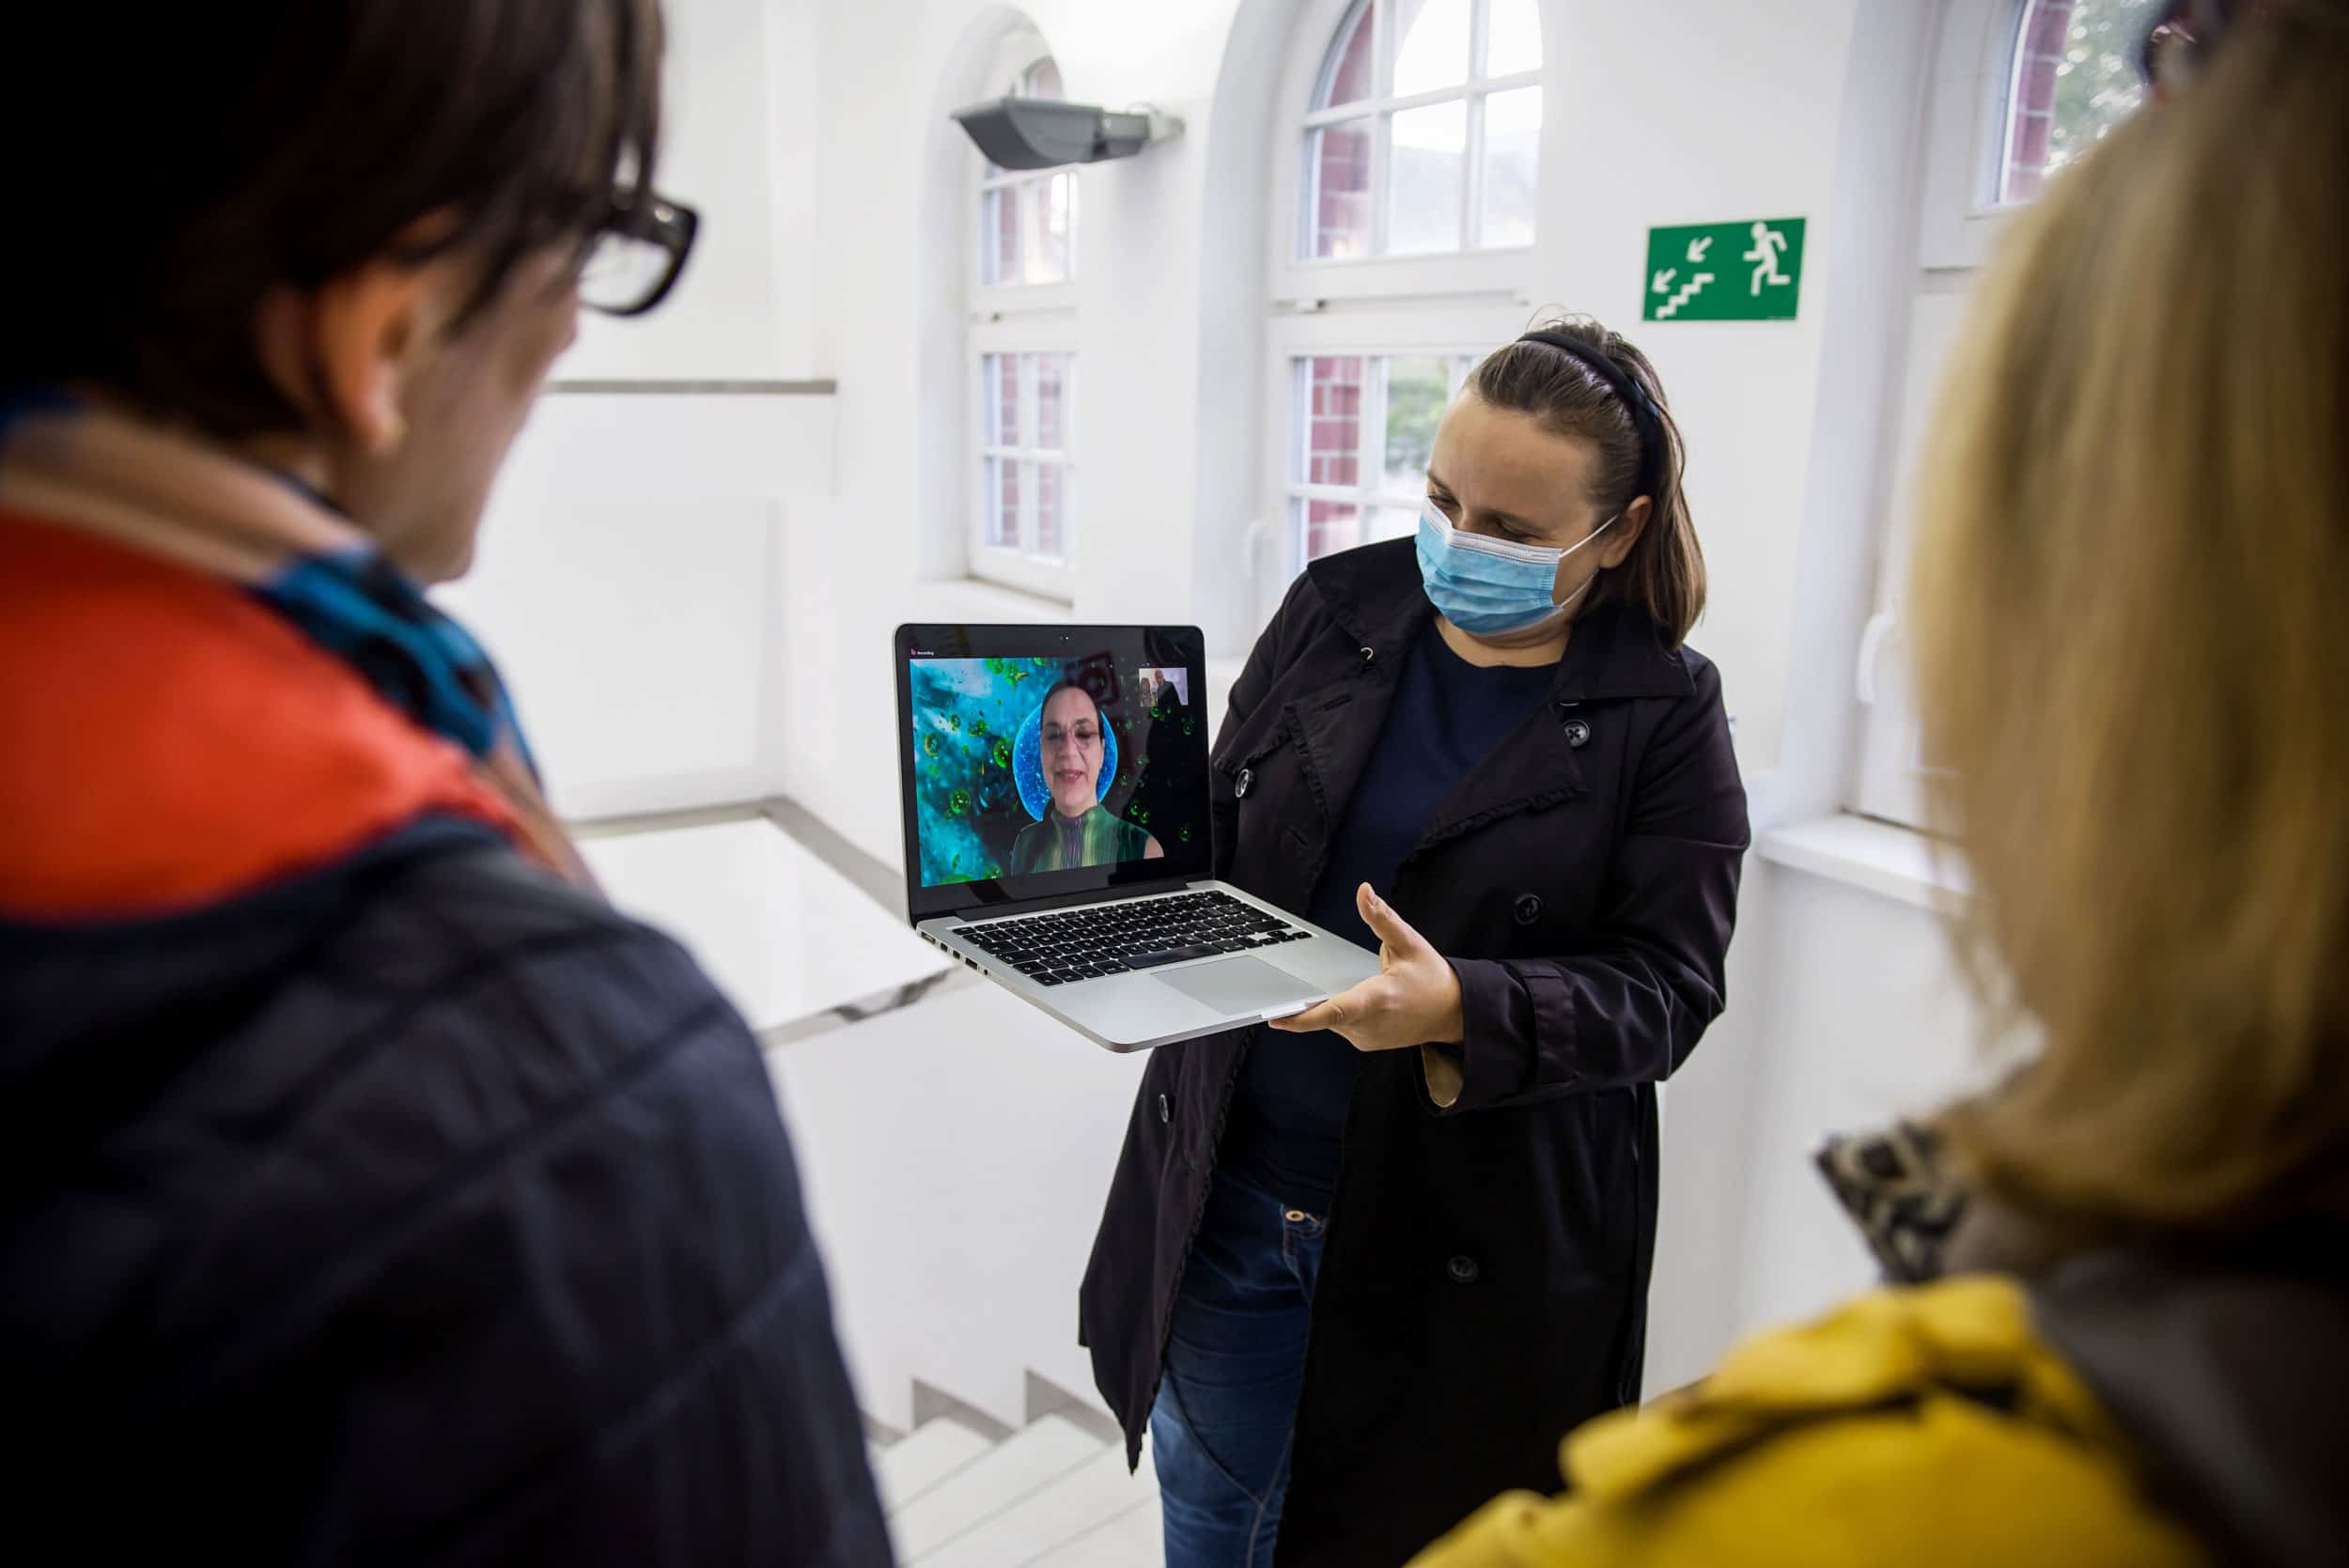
[(201, 156), (346, 241), (2128, 597)]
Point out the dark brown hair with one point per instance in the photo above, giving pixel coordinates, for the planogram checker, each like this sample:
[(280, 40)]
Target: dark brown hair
[(284, 142), (1664, 575)]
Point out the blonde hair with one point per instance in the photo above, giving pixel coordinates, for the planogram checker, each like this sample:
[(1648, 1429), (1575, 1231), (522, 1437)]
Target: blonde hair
[(2129, 598)]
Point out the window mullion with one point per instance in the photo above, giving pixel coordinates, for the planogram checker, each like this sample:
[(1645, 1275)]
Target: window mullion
[(1383, 103), (1371, 456), (1472, 178), (1025, 543), (1296, 464), (1382, 122)]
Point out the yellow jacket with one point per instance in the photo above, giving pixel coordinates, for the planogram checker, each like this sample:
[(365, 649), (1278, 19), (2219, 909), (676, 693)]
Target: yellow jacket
[(1917, 1428)]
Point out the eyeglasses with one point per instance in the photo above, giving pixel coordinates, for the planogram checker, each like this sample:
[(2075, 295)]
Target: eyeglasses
[(1084, 736), (634, 259)]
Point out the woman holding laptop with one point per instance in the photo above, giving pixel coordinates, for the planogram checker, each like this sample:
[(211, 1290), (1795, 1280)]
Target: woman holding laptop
[(1490, 756)]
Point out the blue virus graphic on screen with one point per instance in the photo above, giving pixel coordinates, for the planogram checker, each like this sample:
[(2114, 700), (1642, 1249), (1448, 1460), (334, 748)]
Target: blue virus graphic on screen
[(1027, 764), (983, 807)]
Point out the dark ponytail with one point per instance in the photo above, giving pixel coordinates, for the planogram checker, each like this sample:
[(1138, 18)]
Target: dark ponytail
[(1663, 577)]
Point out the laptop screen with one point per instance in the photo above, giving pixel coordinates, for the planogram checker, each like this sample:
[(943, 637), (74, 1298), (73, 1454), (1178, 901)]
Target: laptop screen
[(1047, 760)]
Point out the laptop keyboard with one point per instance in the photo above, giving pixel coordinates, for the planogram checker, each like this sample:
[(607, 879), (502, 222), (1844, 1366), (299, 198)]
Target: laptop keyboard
[(1060, 949)]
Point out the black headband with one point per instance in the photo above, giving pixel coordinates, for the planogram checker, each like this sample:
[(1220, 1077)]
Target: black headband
[(1646, 423)]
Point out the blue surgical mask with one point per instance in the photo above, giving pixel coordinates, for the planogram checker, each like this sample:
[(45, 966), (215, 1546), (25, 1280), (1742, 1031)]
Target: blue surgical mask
[(1490, 587)]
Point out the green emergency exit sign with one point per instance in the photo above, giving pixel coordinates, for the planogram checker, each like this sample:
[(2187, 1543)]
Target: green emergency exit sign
[(1742, 271)]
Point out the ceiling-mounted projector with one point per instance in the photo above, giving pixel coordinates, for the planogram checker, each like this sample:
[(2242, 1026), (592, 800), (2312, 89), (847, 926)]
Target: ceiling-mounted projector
[(1043, 132)]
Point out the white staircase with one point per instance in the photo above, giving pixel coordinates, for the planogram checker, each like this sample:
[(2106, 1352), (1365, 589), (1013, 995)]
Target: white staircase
[(1052, 1494)]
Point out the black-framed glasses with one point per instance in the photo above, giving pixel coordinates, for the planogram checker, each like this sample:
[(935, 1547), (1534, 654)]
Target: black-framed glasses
[(635, 258)]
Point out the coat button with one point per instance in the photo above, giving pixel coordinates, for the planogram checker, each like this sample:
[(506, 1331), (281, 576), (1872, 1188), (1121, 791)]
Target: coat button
[(1528, 908), (1166, 1109), (1463, 1269), (1239, 786), (1578, 733)]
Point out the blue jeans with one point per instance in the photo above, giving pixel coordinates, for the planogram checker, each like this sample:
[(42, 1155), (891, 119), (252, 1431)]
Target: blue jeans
[(1235, 1361)]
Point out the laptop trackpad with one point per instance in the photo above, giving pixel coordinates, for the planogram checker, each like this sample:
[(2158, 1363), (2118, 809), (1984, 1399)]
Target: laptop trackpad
[(1241, 987)]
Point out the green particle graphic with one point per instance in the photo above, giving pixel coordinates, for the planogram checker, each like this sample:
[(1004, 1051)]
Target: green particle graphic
[(1185, 835), (1043, 663), (1003, 751), (954, 720), (1142, 814), (978, 727), (1190, 726), (993, 871), (958, 803), (929, 745)]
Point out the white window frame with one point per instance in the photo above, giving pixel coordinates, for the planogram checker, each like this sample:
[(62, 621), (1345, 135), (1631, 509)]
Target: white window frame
[(1369, 454), (1013, 297), (1966, 137), (1436, 330), (1310, 282), (1017, 318), (1959, 221), (1019, 53), (1464, 303), (1046, 577)]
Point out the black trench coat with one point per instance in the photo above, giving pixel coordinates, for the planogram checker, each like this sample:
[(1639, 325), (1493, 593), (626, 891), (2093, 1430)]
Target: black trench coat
[(1484, 1283)]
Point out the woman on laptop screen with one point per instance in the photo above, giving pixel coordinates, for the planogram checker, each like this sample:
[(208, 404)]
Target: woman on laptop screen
[(1074, 829)]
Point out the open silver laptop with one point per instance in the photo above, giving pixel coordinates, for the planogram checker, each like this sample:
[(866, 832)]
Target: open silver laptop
[(1054, 789)]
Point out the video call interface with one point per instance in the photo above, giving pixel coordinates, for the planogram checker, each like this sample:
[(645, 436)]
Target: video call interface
[(1031, 765)]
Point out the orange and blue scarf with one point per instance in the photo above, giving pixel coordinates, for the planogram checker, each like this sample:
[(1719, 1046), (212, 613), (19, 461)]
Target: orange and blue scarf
[(208, 676)]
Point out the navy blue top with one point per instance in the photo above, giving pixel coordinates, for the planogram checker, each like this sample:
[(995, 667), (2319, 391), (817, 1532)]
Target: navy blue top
[(1288, 1112)]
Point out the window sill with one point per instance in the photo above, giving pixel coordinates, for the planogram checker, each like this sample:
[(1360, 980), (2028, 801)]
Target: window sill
[(1875, 857)]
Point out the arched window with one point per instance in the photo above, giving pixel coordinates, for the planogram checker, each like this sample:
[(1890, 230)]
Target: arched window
[(1023, 314), (2021, 89), (1423, 131), (2075, 78), (1403, 230), (1028, 221)]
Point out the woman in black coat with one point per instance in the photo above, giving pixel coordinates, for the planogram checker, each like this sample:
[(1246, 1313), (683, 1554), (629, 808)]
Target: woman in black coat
[(1490, 756)]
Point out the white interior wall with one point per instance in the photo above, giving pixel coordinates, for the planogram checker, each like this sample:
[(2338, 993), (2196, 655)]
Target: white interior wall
[(1845, 1013), (957, 1154), (736, 146), (629, 579), (893, 194), (627, 584)]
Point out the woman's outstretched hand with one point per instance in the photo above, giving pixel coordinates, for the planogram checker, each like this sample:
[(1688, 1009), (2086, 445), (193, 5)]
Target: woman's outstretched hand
[(1413, 1001)]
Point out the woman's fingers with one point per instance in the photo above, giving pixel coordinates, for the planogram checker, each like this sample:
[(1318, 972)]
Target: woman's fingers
[(1341, 1012), (1390, 928), (1321, 1016)]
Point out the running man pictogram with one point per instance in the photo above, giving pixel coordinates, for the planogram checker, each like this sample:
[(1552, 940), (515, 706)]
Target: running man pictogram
[(1768, 245)]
